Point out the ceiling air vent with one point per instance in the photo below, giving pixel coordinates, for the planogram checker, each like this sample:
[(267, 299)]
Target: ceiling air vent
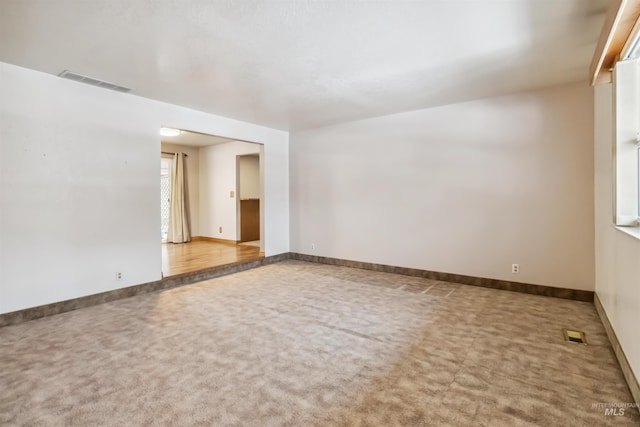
[(66, 74)]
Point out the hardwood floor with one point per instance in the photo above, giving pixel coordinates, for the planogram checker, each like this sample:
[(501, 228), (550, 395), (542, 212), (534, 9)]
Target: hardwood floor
[(198, 255)]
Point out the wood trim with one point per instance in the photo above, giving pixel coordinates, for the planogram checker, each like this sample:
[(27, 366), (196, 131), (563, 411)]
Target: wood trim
[(629, 376), (598, 68), (620, 19), (527, 288), (213, 239)]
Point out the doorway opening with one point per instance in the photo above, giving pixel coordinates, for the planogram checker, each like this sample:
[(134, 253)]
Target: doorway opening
[(213, 192), (248, 205)]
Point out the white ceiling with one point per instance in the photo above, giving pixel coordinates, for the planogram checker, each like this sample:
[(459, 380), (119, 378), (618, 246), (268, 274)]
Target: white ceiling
[(303, 63)]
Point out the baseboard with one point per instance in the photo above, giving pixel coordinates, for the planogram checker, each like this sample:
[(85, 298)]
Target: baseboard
[(20, 316), (632, 381), (15, 317), (214, 239), (549, 291)]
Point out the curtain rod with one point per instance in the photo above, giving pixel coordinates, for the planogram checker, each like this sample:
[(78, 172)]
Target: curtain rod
[(171, 154)]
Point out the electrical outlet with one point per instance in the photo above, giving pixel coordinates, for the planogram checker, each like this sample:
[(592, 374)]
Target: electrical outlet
[(220, 229), (313, 246), (118, 275), (515, 268)]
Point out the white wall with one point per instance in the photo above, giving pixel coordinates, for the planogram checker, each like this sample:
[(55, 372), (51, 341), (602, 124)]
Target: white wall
[(617, 253), (467, 188), (79, 178), (218, 178), (193, 177), (249, 177)]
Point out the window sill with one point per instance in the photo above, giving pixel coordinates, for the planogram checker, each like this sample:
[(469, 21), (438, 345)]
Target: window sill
[(631, 231)]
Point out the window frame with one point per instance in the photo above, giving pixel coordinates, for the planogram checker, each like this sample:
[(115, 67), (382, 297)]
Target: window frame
[(626, 148)]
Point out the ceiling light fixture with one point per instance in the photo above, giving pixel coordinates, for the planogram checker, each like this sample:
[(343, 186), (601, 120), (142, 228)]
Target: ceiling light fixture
[(169, 132)]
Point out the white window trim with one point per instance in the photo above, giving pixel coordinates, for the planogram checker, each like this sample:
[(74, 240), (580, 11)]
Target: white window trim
[(626, 104)]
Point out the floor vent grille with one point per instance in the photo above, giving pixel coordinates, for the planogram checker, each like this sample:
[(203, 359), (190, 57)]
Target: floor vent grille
[(66, 74), (577, 337)]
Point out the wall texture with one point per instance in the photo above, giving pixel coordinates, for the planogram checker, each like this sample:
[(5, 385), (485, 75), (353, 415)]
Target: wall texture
[(467, 188), (193, 178), (218, 175), (617, 253), (79, 176)]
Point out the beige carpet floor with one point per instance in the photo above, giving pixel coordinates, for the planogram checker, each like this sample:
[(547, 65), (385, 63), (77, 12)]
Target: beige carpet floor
[(297, 344)]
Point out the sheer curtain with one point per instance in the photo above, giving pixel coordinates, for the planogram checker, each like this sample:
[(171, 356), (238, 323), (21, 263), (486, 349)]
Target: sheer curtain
[(178, 210)]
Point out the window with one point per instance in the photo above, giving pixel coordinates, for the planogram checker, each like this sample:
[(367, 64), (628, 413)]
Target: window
[(626, 148)]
